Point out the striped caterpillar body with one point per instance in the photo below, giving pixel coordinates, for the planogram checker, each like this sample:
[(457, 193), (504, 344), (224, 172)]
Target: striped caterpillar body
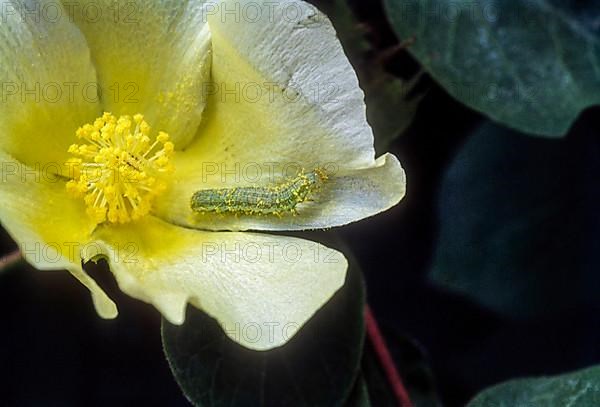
[(276, 200)]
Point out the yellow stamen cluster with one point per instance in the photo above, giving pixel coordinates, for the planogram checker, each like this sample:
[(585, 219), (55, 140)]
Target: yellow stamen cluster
[(118, 172)]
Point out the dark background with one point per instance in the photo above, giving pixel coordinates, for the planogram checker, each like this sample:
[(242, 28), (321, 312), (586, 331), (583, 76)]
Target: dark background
[(54, 350)]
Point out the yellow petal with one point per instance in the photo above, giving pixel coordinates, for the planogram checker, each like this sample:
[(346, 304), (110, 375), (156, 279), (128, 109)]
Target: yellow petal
[(105, 307), (47, 81), (244, 280), (310, 113), (51, 230), (152, 58)]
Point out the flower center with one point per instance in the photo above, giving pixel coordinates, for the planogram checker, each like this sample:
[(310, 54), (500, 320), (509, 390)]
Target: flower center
[(118, 172)]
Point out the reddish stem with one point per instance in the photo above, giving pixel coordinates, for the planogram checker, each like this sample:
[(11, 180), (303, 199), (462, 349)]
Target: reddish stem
[(385, 358), (9, 260)]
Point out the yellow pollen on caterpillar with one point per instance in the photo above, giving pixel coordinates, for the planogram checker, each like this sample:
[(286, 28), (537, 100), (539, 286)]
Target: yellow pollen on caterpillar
[(119, 170)]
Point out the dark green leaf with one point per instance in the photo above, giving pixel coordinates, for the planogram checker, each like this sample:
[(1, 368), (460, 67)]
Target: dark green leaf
[(577, 389), (532, 65), (518, 222), (317, 367), (360, 395)]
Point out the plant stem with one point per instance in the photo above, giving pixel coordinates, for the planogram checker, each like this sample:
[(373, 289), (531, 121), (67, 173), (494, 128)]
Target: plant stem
[(385, 359), (11, 259)]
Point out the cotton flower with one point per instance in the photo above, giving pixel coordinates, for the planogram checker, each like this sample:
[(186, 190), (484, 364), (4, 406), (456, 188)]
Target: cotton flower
[(111, 120)]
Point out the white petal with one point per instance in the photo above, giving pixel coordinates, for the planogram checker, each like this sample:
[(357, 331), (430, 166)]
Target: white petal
[(45, 75), (284, 90), (246, 281), (291, 48), (51, 229), (105, 307), (152, 57)]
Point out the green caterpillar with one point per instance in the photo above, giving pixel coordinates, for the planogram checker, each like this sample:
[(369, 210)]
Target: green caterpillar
[(275, 200)]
